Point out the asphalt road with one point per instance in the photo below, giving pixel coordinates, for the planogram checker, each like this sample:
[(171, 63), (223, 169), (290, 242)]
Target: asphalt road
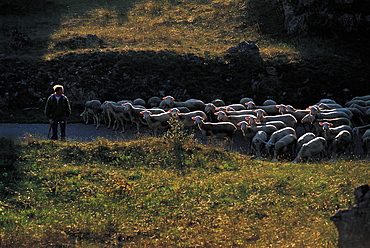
[(77, 132)]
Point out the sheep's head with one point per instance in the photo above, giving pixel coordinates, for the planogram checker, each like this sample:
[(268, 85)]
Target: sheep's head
[(250, 105), (210, 107), (308, 119), (221, 115), (325, 125), (197, 119), (243, 125)]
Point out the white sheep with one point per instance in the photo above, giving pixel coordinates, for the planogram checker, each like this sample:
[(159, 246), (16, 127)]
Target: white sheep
[(312, 120), (92, 107), (327, 101), (365, 141), (237, 106), (120, 115), (134, 114), (284, 145), (367, 116), (234, 119), (288, 119), (355, 101), (107, 114), (258, 143), (341, 143), (245, 100), (310, 149), (270, 109), (275, 136), (210, 110), (249, 131), (363, 98), (218, 102), (156, 121), (218, 129), (230, 107), (361, 129), (252, 121), (315, 111), (192, 104), (139, 101), (269, 102), (329, 105), (297, 113), (304, 139), (330, 132), (186, 118), (153, 101)]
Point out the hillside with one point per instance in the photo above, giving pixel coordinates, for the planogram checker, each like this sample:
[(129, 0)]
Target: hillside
[(188, 49)]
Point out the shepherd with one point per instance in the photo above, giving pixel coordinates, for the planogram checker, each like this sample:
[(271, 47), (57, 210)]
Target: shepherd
[(57, 110)]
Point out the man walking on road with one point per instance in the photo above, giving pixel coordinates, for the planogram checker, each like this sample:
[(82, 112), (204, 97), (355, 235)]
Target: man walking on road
[(57, 110)]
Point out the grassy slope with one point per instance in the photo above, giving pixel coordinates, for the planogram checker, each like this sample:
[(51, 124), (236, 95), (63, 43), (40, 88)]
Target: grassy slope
[(146, 193), (200, 27)]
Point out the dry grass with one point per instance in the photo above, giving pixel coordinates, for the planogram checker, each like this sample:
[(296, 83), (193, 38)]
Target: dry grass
[(205, 28)]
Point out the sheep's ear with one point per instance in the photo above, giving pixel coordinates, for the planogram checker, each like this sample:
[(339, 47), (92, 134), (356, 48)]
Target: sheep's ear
[(217, 108), (321, 123), (330, 124), (193, 118), (247, 118), (278, 106), (239, 124), (142, 112)]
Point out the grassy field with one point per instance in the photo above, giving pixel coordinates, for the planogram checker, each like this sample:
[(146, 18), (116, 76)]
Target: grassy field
[(166, 192)]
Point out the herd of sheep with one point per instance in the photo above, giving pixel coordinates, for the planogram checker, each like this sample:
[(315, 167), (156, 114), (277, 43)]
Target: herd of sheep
[(276, 131)]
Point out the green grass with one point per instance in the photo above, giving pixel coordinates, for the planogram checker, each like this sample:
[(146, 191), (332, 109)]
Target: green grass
[(156, 193)]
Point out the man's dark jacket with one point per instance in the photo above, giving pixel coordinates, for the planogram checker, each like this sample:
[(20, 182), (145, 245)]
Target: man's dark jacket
[(57, 108)]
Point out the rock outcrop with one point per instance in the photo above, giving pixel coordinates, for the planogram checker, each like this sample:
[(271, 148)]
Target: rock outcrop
[(353, 224), (338, 17)]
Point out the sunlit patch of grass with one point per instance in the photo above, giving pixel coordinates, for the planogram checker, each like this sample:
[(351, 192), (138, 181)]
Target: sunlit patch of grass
[(185, 27)]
